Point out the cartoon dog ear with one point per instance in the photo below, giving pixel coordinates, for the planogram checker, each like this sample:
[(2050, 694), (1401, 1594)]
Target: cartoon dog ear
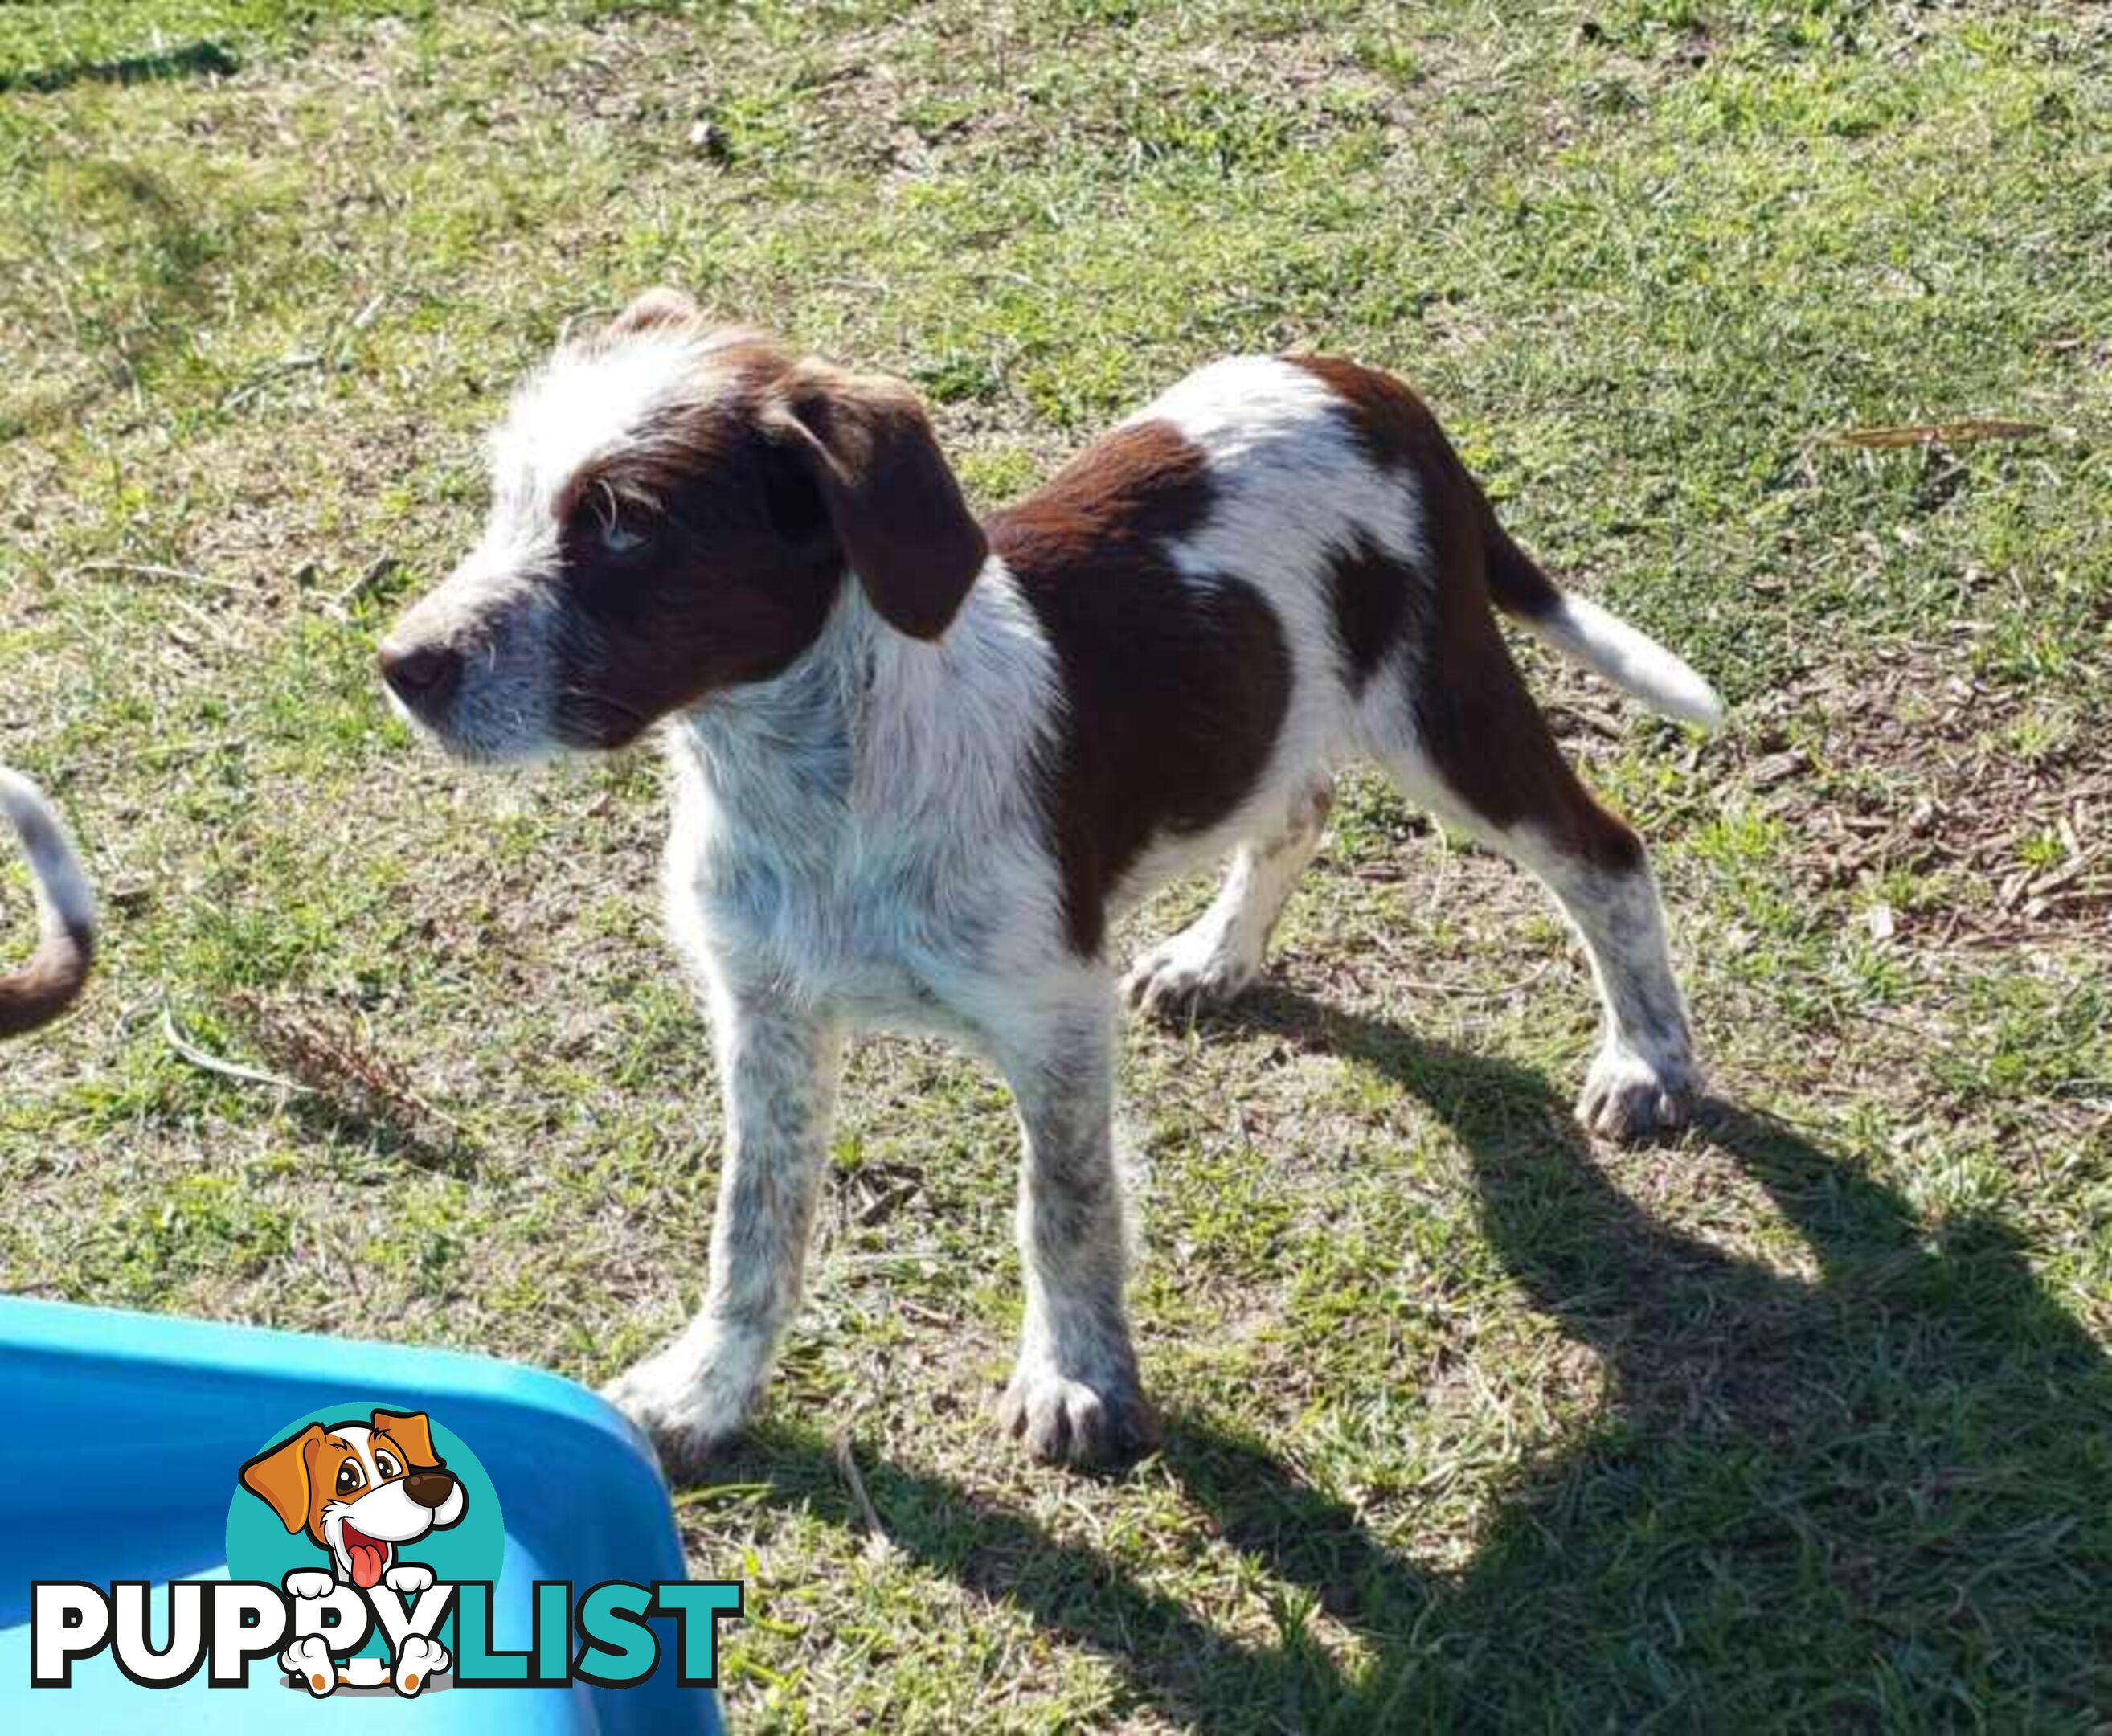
[(891, 497), (410, 1431), (280, 1476)]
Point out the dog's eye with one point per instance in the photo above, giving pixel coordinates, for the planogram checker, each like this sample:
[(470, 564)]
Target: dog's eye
[(349, 1477), (617, 537), (387, 1465)]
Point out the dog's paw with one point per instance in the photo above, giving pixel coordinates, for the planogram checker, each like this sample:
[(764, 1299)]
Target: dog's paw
[(1065, 1421), (1628, 1097), (1191, 972), (418, 1661), (307, 1582), (689, 1417), (409, 1579), (308, 1662)]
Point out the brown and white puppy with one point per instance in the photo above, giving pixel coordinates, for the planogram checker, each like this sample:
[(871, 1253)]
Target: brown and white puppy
[(360, 1492), (48, 985), (922, 761)]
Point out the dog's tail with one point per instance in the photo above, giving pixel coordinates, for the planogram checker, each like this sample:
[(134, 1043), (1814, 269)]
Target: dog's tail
[(45, 986), (1579, 628)]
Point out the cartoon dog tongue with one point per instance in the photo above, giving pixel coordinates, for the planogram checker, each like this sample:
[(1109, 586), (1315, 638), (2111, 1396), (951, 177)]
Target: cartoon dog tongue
[(369, 1558)]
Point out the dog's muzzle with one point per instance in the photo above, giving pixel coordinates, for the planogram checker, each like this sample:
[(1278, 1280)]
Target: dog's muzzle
[(423, 676)]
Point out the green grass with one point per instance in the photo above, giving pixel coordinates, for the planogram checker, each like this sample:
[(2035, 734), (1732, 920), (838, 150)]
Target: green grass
[(1804, 1420)]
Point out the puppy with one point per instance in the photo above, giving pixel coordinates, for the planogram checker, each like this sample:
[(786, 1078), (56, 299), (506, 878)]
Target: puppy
[(922, 762), (359, 1492), (47, 986)]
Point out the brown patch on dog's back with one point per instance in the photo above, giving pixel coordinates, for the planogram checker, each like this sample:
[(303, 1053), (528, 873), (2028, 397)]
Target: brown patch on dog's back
[(1395, 427), (1474, 716), (1397, 431), (1174, 687)]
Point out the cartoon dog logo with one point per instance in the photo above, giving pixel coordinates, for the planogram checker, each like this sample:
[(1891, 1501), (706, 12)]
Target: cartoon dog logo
[(360, 1491)]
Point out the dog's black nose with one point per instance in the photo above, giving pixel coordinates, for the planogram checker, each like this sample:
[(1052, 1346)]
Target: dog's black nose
[(422, 675), (430, 1488)]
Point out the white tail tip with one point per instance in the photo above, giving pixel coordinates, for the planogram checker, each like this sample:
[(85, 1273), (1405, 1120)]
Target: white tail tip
[(1603, 641), (64, 901)]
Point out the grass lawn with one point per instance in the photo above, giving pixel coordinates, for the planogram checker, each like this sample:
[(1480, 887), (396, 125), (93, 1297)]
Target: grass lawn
[(1804, 1420)]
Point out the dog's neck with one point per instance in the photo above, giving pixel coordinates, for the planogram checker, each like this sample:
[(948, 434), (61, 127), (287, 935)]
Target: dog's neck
[(779, 757), (872, 728)]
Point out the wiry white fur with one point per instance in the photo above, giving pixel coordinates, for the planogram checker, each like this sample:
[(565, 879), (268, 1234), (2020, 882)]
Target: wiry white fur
[(65, 905), (864, 831), (585, 404), (1219, 955), (1600, 641), (862, 840)]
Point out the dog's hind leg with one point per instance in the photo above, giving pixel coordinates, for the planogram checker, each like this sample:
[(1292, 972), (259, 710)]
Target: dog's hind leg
[(1468, 743), (1217, 956), (778, 1066)]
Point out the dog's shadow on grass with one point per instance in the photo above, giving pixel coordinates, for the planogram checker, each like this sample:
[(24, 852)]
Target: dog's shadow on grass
[(1881, 1496), (204, 59)]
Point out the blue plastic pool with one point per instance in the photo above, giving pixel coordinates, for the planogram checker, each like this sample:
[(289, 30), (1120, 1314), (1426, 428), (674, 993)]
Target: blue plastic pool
[(118, 1460)]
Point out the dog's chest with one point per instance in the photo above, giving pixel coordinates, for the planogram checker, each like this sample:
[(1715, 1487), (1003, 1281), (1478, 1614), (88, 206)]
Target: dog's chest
[(866, 925)]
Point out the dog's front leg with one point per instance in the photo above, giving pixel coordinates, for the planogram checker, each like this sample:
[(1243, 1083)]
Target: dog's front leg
[(1075, 1396), (778, 1068)]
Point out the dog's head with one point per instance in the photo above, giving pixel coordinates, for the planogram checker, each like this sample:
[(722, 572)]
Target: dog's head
[(359, 1489), (674, 510)]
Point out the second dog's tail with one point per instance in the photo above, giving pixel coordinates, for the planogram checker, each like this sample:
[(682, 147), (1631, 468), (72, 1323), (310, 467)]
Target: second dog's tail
[(45, 986), (1579, 628)]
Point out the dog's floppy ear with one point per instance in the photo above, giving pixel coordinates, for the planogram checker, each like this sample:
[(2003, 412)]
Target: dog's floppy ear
[(410, 1431), (890, 494), (280, 1476)]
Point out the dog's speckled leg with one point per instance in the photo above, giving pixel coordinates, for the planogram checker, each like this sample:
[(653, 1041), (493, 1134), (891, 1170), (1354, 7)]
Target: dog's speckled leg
[(1483, 759), (1074, 1397), (778, 1066)]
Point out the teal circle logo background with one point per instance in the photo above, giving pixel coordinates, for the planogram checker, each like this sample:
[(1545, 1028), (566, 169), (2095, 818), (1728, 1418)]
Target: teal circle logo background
[(259, 1547)]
